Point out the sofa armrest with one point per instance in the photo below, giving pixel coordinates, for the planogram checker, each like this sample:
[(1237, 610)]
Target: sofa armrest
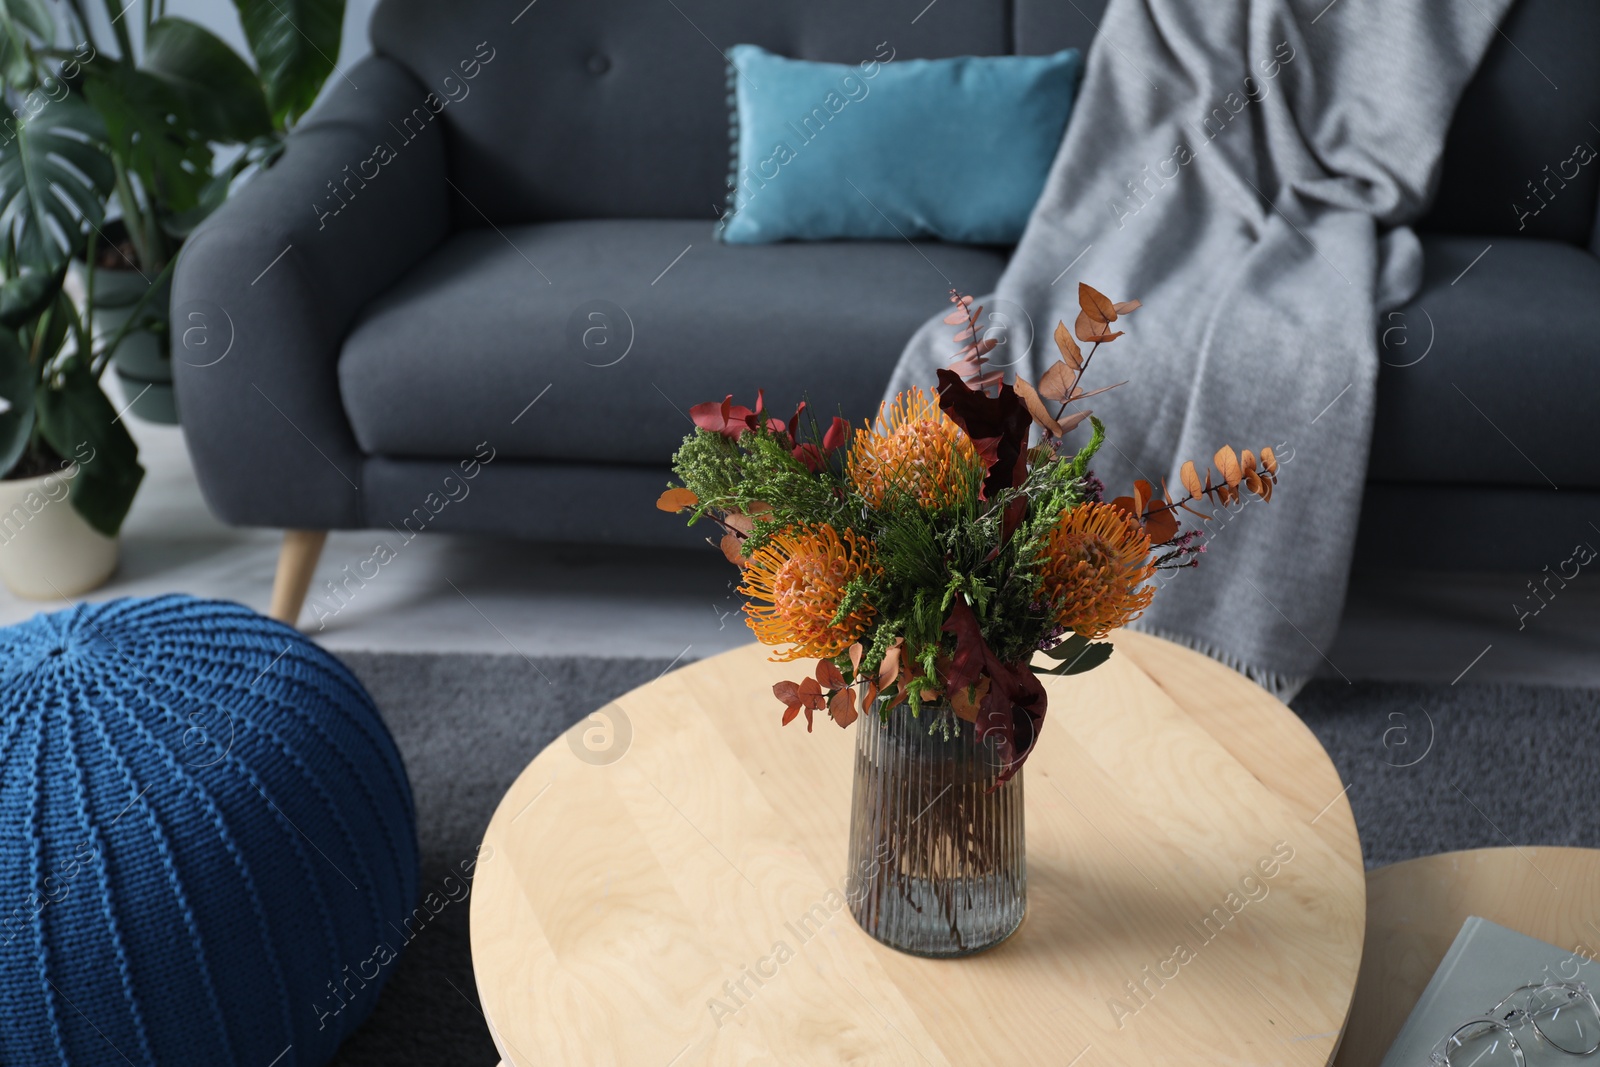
[(269, 286)]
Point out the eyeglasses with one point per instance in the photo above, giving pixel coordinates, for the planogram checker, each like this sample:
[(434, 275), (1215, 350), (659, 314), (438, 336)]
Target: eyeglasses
[(1563, 1016)]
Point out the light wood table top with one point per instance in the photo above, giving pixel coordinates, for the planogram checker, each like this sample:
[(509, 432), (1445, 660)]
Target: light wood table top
[(1416, 908), (683, 904)]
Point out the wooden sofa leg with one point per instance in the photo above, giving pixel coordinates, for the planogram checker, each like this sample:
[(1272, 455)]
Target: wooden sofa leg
[(297, 561)]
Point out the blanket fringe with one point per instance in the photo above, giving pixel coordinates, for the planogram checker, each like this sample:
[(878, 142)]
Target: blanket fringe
[(1283, 686)]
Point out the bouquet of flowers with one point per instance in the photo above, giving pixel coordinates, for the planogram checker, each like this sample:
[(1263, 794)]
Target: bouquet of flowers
[(925, 558)]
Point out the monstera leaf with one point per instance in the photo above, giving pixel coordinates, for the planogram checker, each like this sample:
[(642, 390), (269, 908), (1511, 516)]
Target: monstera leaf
[(79, 422), (294, 42), (23, 23), (53, 181), (17, 380), (23, 297), (221, 97), (147, 127)]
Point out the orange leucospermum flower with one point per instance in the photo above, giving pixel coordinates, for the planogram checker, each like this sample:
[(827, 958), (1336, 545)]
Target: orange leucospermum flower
[(801, 575), (1095, 567), (916, 449)]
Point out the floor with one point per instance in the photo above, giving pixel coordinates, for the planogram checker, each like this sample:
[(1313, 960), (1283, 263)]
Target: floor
[(456, 593)]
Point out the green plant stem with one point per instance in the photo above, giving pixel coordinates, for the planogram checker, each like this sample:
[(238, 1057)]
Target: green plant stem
[(120, 28), (132, 216), (101, 360), (83, 331), (84, 28), (60, 53)]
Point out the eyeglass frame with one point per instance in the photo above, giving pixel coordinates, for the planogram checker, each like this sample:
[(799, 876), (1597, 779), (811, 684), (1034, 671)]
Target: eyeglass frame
[(1439, 1056)]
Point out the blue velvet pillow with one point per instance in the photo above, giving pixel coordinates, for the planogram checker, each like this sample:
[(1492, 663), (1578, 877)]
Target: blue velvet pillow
[(951, 148)]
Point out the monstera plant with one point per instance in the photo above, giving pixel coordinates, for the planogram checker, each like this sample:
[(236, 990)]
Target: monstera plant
[(128, 127)]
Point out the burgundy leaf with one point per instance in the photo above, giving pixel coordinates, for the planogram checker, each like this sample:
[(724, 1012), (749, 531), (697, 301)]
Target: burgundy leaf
[(1009, 521), (1012, 711), (1001, 422), (838, 433), (811, 456)]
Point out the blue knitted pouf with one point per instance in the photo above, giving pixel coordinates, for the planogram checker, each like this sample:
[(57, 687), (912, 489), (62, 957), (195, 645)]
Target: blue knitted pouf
[(208, 850)]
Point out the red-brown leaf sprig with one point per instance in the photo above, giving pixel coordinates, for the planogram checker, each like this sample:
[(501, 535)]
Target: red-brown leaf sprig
[(1062, 380), (829, 689)]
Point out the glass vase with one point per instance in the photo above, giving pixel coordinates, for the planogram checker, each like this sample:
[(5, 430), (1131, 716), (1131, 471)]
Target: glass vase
[(937, 861)]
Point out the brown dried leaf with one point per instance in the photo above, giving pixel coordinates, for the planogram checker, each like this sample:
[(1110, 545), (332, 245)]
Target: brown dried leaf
[(1228, 463), (1088, 330), (1095, 305), (1125, 307), (1069, 347), (1070, 422), (955, 318), (1079, 394), (789, 713), (788, 692), (906, 674), (1269, 460), (856, 652), (1162, 526), (965, 368), (740, 521), (1191, 479), (889, 669), (1036, 407), (843, 707), (731, 545), (1126, 503), (1254, 482), (677, 499), (1247, 460), (965, 706), (829, 675), (1143, 493), (1057, 381)]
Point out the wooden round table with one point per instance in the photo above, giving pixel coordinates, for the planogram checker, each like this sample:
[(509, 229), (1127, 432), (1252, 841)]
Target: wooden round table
[(664, 885), (1416, 908)]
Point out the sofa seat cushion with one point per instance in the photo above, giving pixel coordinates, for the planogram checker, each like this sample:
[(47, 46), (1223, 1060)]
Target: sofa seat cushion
[(611, 330), (1486, 372)]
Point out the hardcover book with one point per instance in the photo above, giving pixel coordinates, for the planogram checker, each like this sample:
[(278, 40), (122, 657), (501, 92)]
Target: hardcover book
[(1486, 962)]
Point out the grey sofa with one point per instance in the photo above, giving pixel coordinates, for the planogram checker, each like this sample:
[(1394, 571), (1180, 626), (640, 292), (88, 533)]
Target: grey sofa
[(516, 278)]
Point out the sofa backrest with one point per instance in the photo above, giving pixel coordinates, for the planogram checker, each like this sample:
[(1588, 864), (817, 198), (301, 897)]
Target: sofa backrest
[(1514, 163), (618, 108)]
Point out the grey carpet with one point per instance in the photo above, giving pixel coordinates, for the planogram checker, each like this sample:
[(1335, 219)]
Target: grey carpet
[(466, 727), (1434, 768), (1430, 767)]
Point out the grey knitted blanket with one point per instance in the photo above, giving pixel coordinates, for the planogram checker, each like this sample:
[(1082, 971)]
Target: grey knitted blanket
[(1247, 169)]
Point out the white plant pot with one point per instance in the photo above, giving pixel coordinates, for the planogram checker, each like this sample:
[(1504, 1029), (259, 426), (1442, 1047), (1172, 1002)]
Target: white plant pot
[(47, 550)]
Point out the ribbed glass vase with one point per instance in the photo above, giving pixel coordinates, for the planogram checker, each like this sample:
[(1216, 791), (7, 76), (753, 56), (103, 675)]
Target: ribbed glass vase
[(937, 862)]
